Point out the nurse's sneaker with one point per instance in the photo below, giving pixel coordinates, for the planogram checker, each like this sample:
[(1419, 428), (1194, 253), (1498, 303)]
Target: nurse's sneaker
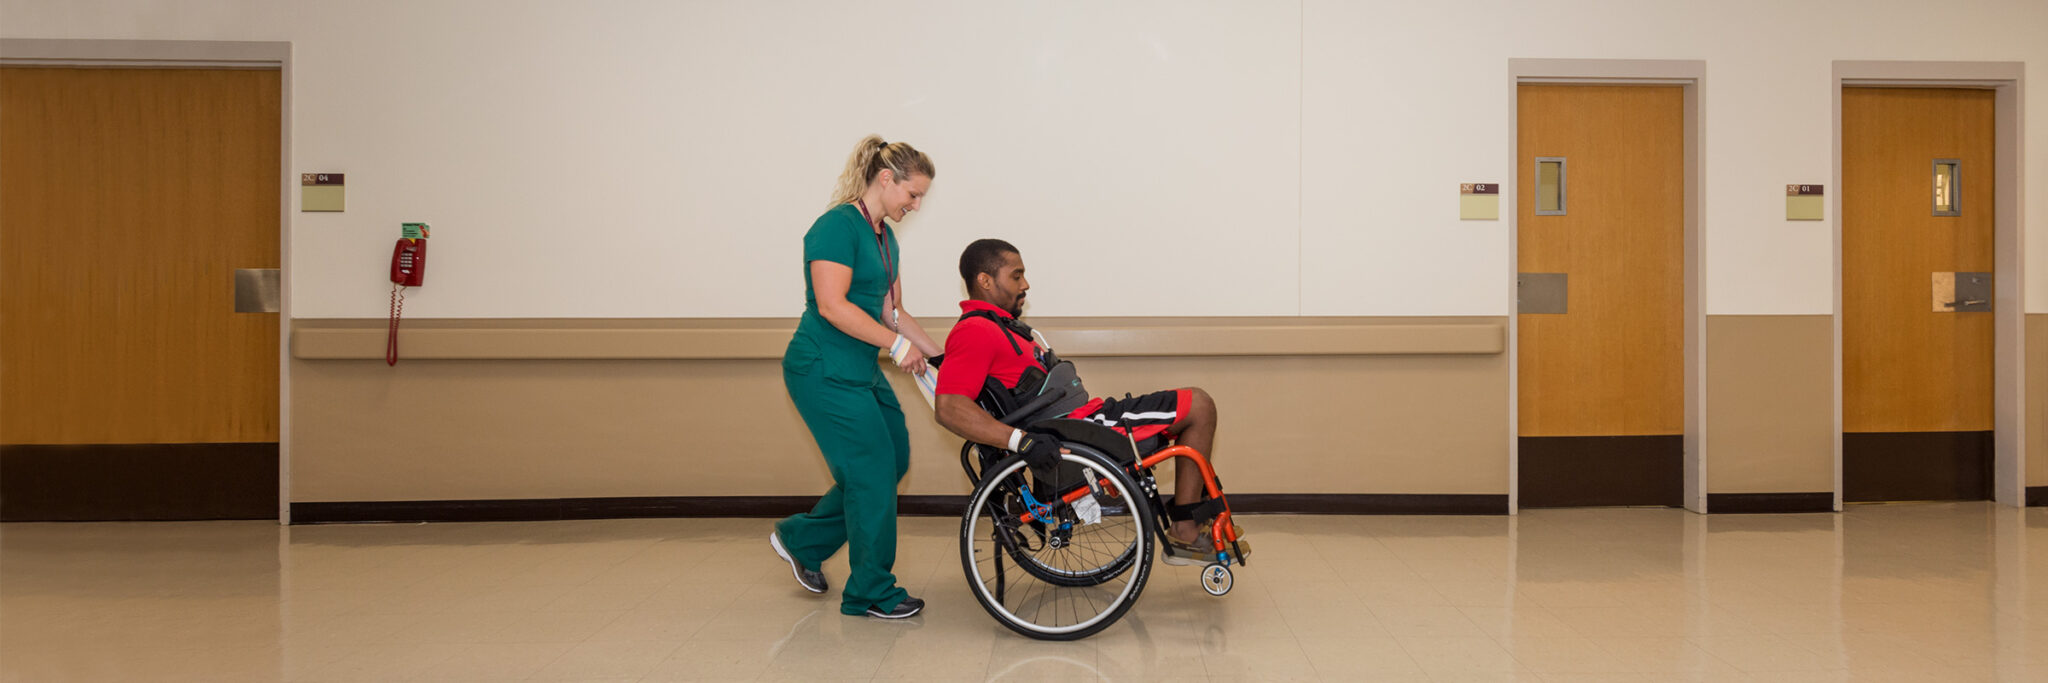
[(811, 580), (904, 610)]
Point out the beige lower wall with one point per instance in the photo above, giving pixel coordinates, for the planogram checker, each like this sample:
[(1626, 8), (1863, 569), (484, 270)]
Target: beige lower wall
[(1770, 404), (1372, 422), (1770, 393), (2037, 399), (548, 428)]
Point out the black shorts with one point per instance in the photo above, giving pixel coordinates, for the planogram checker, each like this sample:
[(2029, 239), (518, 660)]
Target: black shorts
[(1143, 417)]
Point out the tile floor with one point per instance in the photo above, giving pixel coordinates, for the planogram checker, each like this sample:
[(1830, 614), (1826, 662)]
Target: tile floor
[(1925, 592)]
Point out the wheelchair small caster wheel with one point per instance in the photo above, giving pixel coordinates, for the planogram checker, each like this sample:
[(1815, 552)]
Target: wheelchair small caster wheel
[(1216, 579)]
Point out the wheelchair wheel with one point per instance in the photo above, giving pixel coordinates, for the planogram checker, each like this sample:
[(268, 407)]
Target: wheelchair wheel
[(1070, 578), (1216, 579), (1080, 567)]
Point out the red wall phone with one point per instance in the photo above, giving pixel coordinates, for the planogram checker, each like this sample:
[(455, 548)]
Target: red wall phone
[(409, 262), (408, 269)]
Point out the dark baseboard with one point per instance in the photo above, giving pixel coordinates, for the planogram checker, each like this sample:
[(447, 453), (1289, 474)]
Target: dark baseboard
[(1765, 503), (553, 509), (919, 506), (138, 482), (1371, 503), (1903, 466), (535, 510), (2037, 496), (1588, 471)]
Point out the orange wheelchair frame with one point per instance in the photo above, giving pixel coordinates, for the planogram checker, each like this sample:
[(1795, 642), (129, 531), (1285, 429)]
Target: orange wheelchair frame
[(1223, 538), (1004, 517)]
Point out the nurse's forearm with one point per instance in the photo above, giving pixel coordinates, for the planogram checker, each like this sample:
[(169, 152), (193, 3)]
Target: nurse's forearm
[(855, 323), (915, 333), (830, 281)]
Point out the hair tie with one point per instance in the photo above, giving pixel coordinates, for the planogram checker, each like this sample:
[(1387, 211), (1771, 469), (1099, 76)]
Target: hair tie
[(885, 145)]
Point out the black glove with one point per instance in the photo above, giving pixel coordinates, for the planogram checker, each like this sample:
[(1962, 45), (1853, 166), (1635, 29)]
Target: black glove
[(1041, 450)]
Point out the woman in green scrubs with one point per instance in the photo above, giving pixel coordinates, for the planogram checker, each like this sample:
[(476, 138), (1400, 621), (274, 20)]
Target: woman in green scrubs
[(852, 309)]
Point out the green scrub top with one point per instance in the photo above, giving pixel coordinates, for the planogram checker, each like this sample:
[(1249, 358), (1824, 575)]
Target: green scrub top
[(842, 236)]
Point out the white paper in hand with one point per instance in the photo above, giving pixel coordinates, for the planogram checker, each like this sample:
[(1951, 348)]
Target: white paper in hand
[(928, 384), (927, 381)]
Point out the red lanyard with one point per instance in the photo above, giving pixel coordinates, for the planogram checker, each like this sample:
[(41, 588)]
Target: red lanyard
[(882, 245)]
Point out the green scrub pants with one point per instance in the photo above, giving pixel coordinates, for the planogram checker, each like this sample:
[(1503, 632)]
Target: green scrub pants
[(859, 428)]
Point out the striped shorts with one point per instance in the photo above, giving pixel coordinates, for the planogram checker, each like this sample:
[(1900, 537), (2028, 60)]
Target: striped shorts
[(1143, 417)]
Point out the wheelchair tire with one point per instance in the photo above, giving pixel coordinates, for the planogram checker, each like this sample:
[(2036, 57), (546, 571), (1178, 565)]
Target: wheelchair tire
[(1079, 576), (1081, 603), (1216, 579)]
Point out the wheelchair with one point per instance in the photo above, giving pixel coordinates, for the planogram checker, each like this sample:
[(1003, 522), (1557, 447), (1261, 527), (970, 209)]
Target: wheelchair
[(1062, 552)]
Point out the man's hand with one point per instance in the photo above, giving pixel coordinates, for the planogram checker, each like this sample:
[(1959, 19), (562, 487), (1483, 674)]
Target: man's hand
[(1040, 448), (1041, 451)]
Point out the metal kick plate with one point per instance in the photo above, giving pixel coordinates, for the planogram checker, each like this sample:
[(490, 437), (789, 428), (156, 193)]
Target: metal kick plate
[(1962, 292), (1544, 293), (256, 290), (1973, 293)]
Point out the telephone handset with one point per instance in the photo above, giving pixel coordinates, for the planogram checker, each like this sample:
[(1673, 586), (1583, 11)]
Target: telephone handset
[(408, 269), (409, 262)]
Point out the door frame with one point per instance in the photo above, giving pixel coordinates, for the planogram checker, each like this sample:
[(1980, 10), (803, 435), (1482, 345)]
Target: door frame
[(2007, 80), (203, 54), (1692, 76)]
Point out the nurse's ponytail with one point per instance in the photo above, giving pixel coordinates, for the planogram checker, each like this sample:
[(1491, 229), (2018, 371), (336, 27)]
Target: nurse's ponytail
[(870, 156)]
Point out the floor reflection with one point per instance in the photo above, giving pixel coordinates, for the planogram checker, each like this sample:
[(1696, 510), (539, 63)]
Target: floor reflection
[(1938, 592)]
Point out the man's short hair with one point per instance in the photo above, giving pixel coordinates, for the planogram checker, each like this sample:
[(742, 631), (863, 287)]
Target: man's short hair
[(983, 256)]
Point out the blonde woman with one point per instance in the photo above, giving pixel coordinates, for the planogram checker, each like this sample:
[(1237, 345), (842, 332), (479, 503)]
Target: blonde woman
[(852, 309)]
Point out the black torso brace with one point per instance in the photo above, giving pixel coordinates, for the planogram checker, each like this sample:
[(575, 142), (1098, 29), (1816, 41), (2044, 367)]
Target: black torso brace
[(1060, 377)]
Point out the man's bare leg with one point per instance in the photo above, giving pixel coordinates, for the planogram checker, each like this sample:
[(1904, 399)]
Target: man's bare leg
[(1196, 430)]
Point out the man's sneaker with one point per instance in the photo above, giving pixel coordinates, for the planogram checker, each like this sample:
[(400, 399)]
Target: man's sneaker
[(813, 581), (1200, 552), (1211, 528), (904, 610), (1179, 554)]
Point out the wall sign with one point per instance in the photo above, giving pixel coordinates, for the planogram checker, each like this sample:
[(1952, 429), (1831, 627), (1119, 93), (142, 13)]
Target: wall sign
[(321, 192), (1479, 201), (1804, 203)]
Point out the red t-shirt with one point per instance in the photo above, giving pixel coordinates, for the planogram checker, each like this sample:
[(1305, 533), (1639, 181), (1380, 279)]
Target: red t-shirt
[(976, 349)]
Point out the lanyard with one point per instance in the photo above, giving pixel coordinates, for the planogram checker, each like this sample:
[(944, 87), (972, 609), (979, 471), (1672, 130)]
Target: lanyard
[(888, 264), (882, 245)]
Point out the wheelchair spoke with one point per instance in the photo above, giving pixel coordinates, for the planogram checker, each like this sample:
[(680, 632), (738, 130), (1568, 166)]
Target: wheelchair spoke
[(1055, 576)]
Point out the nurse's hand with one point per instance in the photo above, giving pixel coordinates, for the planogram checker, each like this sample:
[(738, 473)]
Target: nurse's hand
[(912, 361)]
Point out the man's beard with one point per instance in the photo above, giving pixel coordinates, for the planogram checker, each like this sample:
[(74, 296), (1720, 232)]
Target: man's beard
[(1016, 308)]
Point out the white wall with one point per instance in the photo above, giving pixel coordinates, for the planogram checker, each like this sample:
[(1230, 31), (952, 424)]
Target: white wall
[(658, 159), (1411, 100)]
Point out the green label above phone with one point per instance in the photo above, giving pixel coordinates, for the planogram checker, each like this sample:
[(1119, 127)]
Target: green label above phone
[(414, 231)]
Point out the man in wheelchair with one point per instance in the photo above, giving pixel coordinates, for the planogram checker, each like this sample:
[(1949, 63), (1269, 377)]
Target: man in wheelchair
[(994, 362)]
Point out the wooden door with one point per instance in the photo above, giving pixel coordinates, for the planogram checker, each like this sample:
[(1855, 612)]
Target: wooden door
[(1601, 384), (1916, 376), (128, 198)]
